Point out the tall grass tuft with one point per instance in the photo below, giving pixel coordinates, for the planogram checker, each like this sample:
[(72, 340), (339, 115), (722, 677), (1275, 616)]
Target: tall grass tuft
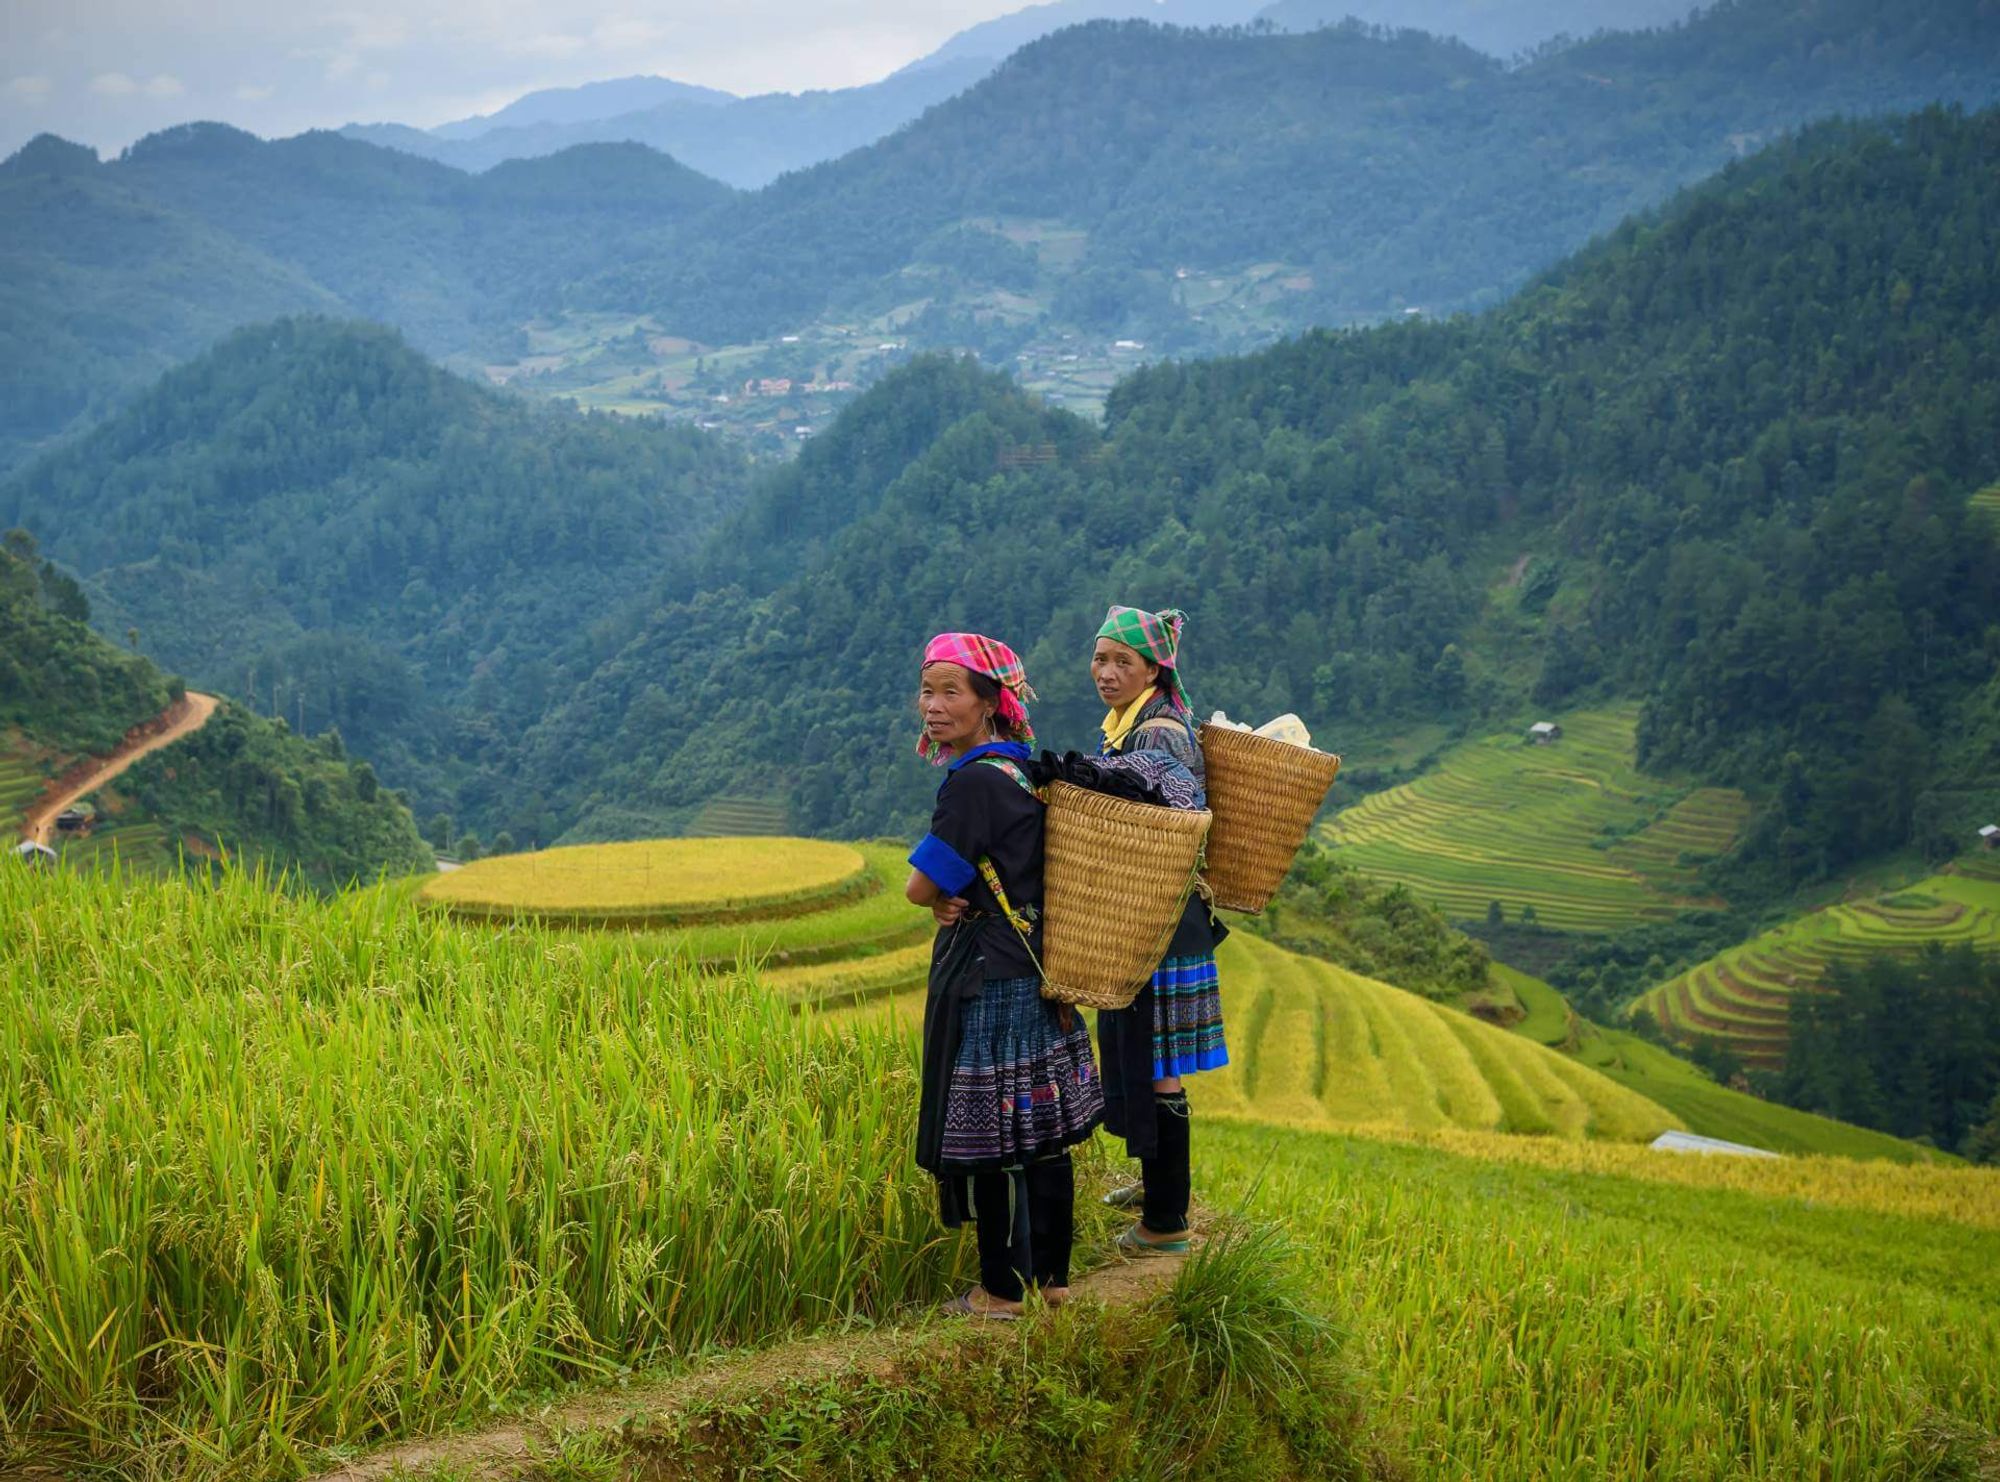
[(277, 1173)]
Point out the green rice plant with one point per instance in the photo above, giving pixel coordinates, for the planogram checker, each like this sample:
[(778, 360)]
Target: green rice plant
[(1573, 1318), (279, 1172)]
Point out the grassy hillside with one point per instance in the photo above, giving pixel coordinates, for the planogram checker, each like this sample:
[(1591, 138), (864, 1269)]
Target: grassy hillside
[(1572, 830), (1742, 996)]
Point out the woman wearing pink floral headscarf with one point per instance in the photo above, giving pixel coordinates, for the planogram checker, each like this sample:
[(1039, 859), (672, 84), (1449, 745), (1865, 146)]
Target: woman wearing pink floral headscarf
[(1009, 1082)]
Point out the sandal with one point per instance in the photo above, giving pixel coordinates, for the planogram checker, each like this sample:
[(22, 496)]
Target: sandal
[(1125, 1196), (1140, 1241), (981, 1303)]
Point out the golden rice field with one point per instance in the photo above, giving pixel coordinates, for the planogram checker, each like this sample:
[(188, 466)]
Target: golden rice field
[(1527, 1307), (1314, 1045), (1742, 996), (1986, 503), (282, 1174), (279, 1172), (1571, 830), (665, 882)]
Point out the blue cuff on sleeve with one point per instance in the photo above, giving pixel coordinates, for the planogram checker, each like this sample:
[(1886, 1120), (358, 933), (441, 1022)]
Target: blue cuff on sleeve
[(943, 864)]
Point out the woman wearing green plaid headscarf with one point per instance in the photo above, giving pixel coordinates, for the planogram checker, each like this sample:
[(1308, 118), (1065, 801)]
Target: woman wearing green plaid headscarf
[(1174, 1027)]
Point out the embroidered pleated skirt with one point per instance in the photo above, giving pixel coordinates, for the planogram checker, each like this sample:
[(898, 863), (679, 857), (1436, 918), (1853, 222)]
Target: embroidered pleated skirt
[(1021, 1086), (1187, 1017)]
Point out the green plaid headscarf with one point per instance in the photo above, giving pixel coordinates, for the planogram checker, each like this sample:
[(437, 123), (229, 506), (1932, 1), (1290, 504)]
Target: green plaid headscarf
[(1157, 635)]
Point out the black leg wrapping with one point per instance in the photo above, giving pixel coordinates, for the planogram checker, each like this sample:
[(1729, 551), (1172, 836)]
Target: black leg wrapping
[(992, 1205), (1051, 1218), (1165, 1208)]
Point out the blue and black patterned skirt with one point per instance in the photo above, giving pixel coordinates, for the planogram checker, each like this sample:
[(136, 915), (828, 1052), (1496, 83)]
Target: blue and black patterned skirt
[(1021, 1087), (1187, 1017)]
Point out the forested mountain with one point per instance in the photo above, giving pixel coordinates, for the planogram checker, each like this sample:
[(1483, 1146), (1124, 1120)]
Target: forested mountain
[(242, 781), (315, 517), (1387, 170), (1296, 180), (1735, 442), (110, 272), (747, 142)]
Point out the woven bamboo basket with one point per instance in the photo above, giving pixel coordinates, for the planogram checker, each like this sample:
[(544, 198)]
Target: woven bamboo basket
[(1264, 794), (1115, 878)]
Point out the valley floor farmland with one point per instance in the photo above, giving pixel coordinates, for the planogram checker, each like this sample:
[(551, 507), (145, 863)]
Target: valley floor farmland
[(1571, 830)]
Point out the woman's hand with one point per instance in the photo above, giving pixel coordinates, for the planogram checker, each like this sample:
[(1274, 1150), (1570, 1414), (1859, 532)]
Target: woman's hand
[(947, 912)]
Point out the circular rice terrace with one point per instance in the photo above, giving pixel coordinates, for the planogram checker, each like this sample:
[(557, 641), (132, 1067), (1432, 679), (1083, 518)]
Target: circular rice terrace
[(1743, 996), (824, 923), (657, 882)]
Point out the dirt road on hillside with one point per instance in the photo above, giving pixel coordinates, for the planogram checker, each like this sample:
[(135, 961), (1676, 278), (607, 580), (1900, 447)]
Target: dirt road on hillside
[(190, 714)]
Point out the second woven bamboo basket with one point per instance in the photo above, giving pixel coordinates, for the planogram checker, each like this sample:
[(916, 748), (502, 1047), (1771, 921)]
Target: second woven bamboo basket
[(1115, 878), (1264, 794)]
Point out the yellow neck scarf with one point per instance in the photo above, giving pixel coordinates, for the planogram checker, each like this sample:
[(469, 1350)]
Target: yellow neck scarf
[(1118, 723)]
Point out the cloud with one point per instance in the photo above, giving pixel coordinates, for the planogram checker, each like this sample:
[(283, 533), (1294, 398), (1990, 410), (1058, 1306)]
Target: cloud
[(120, 85), (163, 86), (29, 89), (250, 92), (547, 45)]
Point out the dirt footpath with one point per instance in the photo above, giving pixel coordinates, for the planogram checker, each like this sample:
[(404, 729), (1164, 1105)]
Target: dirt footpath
[(176, 721), (508, 1450)]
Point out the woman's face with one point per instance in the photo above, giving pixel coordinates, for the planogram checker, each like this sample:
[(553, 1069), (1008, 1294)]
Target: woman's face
[(1121, 673), (954, 716)]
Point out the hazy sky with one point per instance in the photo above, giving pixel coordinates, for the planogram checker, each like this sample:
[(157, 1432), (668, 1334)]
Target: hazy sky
[(104, 72)]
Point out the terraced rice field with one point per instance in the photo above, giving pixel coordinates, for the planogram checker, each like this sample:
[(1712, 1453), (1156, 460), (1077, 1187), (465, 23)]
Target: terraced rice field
[(855, 939), (1987, 503), (722, 818), (1572, 830), (21, 779), (1313, 1045), (1743, 996), (669, 882), (137, 848)]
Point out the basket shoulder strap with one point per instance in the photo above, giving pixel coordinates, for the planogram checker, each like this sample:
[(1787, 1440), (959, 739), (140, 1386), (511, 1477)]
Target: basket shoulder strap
[(1011, 768)]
